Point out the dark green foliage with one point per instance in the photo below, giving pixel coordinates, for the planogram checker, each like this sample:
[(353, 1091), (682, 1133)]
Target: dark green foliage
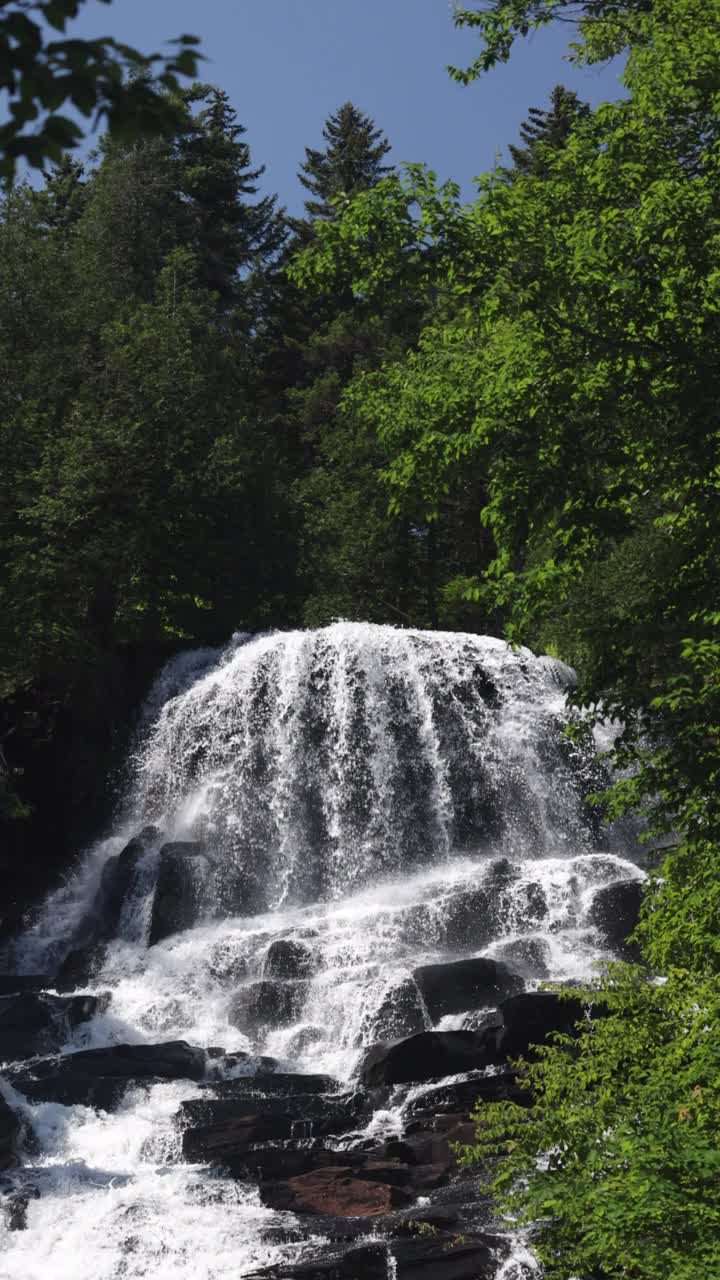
[(547, 131), (140, 504), (101, 78), (351, 162), (229, 234)]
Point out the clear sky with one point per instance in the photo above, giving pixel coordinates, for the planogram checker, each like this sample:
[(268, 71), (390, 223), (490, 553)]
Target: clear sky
[(287, 64)]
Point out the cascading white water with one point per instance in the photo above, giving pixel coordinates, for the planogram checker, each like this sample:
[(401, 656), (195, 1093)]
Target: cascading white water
[(354, 788)]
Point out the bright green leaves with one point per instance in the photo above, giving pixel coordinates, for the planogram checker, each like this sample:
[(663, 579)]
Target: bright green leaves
[(396, 240), (621, 1144)]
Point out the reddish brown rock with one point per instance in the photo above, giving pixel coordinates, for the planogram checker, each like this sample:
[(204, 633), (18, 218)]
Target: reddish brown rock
[(337, 1192)]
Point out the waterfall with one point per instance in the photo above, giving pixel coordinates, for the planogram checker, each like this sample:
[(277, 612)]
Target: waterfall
[(311, 819)]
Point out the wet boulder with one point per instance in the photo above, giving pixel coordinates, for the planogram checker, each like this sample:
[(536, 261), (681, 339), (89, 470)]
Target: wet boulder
[(364, 1262), (277, 1084), (33, 1023), (615, 911), (116, 881), (227, 964), (526, 1020), (400, 1013), (220, 1063), (100, 1077), (221, 1130), (17, 1204), (442, 1256), (430, 1055), (303, 1039), (241, 888), (288, 958), (430, 1149), (527, 907), (80, 966), (279, 1162), (180, 888), (527, 956), (463, 986), (10, 1130), (14, 984), (474, 915), (118, 877), (459, 1097), (260, 1006)]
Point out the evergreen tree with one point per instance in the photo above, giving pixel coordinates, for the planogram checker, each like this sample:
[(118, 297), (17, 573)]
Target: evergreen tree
[(140, 494), (546, 131), (351, 162), (63, 200), (228, 231)]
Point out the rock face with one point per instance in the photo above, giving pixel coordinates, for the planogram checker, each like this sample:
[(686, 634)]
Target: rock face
[(9, 1135), (521, 1021), (477, 914), (426, 1056), (474, 915), (80, 966), (368, 1262), (219, 1130), (99, 1077), (615, 911), (337, 1192), (275, 1084), (465, 985), (182, 876), (32, 1023), (460, 1096), (12, 984), (271, 1002), (101, 924), (527, 956), (288, 958), (400, 1013), (446, 1258), (528, 1019), (117, 879)]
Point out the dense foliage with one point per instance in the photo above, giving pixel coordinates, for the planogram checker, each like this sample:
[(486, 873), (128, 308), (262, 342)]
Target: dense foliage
[(625, 1126)]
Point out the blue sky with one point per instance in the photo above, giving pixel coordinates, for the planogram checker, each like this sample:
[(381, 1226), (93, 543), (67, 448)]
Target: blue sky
[(287, 64)]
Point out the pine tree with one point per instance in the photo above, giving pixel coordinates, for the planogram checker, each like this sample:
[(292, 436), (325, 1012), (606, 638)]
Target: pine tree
[(351, 162), (230, 234), (546, 131), (62, 201)]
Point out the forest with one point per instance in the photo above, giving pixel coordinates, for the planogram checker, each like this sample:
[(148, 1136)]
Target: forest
[(497, 416)]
